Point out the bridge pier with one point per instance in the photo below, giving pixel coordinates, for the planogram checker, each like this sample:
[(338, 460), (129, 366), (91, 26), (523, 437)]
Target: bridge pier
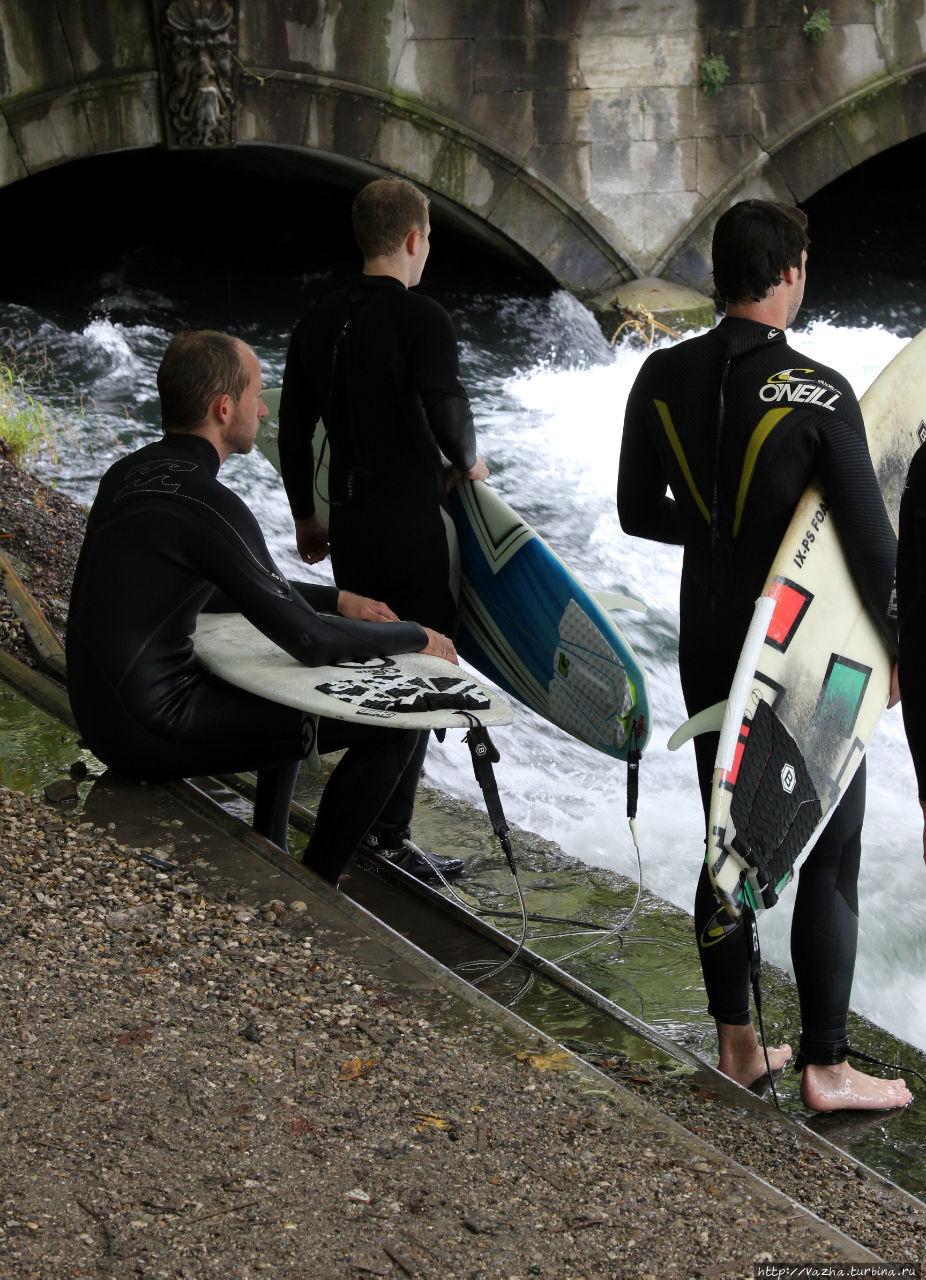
[(651, 306)]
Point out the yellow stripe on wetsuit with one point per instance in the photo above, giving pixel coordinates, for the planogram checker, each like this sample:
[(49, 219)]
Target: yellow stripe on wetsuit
[(666, 419), (766, 425)]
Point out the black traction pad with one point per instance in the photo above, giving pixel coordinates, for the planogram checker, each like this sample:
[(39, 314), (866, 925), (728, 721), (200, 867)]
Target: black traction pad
[(393, 691), (775, 808)]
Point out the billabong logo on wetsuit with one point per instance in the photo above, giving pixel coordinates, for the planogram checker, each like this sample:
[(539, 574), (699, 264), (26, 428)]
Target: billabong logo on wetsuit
[(152, 477), (799, 386)]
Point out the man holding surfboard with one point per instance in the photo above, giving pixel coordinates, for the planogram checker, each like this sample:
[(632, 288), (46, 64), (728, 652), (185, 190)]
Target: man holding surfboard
[(377, 363), (735, 423), (166, 540)]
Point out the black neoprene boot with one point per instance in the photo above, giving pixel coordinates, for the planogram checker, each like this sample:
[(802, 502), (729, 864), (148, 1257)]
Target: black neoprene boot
[(395, 845)]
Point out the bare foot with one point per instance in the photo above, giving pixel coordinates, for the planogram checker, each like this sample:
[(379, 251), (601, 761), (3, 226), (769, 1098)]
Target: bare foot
[(842, 1088), (741, 1056)]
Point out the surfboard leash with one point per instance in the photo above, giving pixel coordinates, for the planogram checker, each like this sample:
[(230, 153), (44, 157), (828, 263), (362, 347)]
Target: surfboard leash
[(879, 1062), (750, 924), (484, 755), (637, 728), (633, 777), (755, 969), (616, 931)]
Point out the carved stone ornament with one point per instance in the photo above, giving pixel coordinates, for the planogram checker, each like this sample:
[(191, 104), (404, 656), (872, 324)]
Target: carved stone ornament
[(199, 39)]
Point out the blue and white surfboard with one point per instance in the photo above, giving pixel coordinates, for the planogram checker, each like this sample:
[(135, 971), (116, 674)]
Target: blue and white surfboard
[(526, 622)]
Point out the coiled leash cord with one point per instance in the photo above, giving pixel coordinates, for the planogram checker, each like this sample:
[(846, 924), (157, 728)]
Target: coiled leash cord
[(633, 793), (484, 755)]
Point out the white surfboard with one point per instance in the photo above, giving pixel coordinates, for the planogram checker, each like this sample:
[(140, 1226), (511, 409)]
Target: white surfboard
[(394, 691), (814, 673)]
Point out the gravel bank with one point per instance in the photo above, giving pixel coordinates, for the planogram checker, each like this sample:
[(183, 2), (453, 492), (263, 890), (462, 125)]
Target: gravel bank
[(197, 1084), (41, 531)]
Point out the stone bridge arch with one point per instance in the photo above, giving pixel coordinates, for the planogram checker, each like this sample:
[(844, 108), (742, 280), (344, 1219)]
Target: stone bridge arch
[(574, 132), (821, 149), (473, 180)]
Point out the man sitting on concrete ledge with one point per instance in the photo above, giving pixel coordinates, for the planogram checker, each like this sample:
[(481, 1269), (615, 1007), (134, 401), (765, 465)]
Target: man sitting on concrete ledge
[(166, 540)]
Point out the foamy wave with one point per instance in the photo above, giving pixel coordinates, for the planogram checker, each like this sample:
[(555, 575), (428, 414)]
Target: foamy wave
[(860, 354)]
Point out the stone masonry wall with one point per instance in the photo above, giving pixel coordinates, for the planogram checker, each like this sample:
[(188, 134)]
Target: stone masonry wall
[(578, 130)]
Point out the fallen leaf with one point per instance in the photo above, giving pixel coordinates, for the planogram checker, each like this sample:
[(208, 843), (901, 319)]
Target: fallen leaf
[(427, 1121), (299, 1125), (137, 1036), (558, 1060), (354, 1068)]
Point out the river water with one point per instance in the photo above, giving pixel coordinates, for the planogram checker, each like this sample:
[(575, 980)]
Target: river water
[(549, 395)]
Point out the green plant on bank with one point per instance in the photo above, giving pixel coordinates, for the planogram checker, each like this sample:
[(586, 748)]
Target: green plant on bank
[(36, 411), (714, 71), (817, 25), (24, 425)]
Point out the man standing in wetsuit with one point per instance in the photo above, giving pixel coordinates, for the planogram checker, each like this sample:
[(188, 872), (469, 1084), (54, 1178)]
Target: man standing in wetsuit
[(378, 365), (166, 540), (705, 419)]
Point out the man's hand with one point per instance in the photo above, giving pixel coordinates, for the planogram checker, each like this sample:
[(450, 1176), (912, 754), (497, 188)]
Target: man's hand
[(311, 539), (894, 696), (439, 646), (478, 471), (363, 609)]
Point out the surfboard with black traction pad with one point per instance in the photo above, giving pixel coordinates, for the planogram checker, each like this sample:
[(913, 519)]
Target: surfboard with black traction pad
[(405, 691), (814, 674), (525, 621)]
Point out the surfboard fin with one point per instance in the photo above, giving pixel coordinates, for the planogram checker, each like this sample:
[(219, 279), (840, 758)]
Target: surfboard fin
[(613, 600), (707, 721)]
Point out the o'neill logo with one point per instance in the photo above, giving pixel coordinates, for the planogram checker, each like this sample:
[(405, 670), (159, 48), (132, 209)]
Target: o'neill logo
[(788, 778), (799, 386)]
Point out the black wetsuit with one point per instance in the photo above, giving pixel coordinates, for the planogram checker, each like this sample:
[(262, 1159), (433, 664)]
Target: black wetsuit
[(785, 419), (165, 540), (378, 364), (911, 613)]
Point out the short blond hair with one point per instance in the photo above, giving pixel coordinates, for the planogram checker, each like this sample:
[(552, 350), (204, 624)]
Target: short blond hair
[(198, 365), (384, 212)]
